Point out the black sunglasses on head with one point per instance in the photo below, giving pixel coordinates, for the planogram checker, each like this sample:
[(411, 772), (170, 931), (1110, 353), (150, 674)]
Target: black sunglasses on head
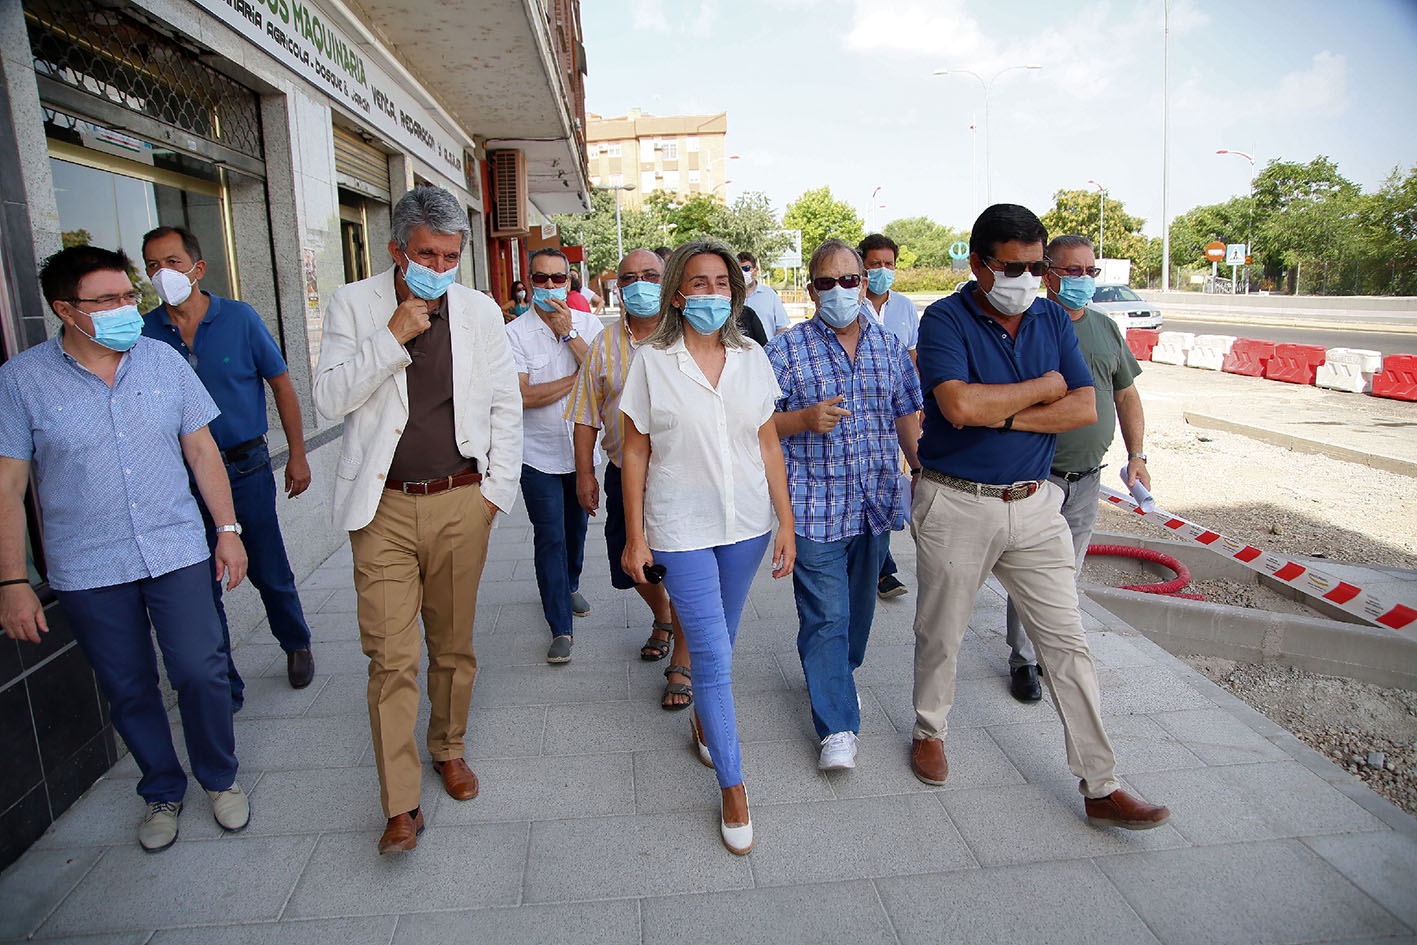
[(1013, 270), (827, 283)]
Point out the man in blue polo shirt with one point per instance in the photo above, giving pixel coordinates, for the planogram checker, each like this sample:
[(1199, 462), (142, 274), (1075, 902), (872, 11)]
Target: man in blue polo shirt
[(231, 350), (1004, 377), (762, 299)]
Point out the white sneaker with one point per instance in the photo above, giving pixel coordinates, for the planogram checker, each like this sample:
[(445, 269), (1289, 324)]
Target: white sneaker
[(159, 828), (838, 751), (231, 808)]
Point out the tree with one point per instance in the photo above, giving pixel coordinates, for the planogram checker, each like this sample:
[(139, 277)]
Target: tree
[(596, 230), (925, 240), (821, 218), (751, 226), (1389, 223), (1305, 213)]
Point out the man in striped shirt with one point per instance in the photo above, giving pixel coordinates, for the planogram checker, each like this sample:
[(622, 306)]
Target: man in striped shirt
[(595, 405)]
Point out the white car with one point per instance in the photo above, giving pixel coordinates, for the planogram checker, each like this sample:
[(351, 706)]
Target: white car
[(1126, 307)]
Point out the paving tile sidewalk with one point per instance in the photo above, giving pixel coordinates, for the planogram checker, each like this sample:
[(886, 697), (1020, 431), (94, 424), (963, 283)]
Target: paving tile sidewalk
[(595, 823)]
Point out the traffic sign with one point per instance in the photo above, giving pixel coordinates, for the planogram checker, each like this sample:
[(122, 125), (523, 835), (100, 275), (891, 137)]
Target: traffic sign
[(1235, 254), (1215, 251), (959, 249)]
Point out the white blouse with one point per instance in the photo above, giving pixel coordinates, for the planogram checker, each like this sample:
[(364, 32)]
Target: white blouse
[(706, 484)]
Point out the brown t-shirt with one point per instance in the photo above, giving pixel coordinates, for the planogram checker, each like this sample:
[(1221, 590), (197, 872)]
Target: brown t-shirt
[(428, 448)]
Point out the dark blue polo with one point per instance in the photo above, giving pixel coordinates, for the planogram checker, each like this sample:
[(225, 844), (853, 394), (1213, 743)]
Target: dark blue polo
[(958, 341), (234, 354)]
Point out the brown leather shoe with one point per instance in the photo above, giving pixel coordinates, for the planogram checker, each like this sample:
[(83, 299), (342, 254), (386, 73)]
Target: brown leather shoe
[(458, 779), (300, 668), (1120, 809), (401, 835), (927, 760)]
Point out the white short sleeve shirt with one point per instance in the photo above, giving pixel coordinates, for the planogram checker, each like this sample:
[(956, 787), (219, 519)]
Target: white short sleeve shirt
[(543, 357), (706, 484)]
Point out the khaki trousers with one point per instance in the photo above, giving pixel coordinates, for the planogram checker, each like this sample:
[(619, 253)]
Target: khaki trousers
[(959, 539), (421, 555)]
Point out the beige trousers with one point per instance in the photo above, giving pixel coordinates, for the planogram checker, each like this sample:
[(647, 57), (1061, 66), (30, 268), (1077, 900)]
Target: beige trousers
[(421, 555), (959, 539)]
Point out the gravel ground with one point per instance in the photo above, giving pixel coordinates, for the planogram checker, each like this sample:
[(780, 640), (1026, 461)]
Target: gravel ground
[(1368, 730)]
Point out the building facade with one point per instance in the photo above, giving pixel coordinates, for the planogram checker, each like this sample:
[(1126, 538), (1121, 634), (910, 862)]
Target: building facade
[(683, 155), (281, 132)]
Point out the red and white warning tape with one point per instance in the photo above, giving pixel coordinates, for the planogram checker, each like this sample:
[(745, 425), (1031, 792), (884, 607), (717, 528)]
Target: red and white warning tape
[(1355, 600)]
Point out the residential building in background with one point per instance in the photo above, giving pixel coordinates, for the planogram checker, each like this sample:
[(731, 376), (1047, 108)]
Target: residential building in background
[(677, 154), (281, 133)]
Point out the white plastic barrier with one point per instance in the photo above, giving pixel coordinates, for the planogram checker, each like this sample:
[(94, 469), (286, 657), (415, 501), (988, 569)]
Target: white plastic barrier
[(1171, 347), (1209, 351), (1349, 369)]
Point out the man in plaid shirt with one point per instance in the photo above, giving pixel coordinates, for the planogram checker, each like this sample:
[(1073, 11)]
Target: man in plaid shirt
[(850, 399)]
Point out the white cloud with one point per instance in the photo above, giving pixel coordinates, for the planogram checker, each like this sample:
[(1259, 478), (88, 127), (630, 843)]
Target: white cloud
[(649, 15), (942, 29), (702, 24), (1323, 85), (1186, 16)]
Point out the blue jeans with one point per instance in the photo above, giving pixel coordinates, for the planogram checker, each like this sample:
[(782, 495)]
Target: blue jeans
[(834, 583), (708, 588), (888, 565), (111, 627), (558, 526), (253, 491)]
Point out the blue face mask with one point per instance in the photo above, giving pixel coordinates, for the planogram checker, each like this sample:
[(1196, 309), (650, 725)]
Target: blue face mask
[(707, 313), (539, 297), (641, 298), (117, 329), (839, 307), (879, 281), (426, 283), (1076, 291)]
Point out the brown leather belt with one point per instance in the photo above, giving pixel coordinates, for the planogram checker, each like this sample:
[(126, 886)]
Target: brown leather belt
[(1019, 490), (432, 486)]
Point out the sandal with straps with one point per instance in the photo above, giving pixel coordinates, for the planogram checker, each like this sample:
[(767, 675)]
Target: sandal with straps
[(659, 648), (677, 689)]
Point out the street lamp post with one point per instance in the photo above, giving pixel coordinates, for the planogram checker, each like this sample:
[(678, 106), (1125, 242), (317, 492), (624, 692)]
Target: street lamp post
[(619, 240), (1101, 215), (987, 87), (1250, 234)]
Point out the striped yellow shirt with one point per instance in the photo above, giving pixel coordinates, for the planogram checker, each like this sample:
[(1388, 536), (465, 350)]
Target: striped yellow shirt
[(595, 400)]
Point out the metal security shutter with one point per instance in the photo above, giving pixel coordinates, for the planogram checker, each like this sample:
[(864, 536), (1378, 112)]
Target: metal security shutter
[(360, 167)]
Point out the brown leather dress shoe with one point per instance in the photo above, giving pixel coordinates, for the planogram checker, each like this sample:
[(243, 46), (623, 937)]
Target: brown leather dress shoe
[(458, 779), (401, 835), (927, 760), (300, 668), (1120, 809)]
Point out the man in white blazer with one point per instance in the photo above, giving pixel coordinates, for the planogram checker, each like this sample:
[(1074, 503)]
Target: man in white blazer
[(418, 368)]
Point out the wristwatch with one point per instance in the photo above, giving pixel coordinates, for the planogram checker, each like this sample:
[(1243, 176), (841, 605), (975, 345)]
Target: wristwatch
[(571, 334), (235, 529), (1140, 456)]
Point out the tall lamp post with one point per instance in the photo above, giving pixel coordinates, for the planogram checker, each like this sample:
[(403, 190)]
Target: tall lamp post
[(1101, 215), (619, 240), (1166, 147), (1250, 234), (987, 87)]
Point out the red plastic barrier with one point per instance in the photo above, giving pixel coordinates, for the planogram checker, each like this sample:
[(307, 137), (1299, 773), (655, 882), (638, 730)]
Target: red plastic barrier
[(1141, 341), (1398, 379), (1248, 356), (1295, 364)]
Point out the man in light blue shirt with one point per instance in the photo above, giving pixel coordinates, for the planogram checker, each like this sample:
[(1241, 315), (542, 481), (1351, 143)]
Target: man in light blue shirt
[(897, 315), (105, 420), (762, 299)]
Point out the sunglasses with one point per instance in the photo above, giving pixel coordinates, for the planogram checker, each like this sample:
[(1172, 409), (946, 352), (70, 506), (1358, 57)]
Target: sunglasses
[(1013, 270), (827, 283), (1076, 271), (630, 278), (541, 278)]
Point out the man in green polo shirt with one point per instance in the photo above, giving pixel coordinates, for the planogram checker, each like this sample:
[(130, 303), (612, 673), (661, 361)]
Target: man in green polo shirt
[(1077, 464)]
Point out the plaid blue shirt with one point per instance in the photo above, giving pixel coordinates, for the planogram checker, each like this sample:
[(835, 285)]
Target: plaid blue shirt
[(113, 491), (846, 482)]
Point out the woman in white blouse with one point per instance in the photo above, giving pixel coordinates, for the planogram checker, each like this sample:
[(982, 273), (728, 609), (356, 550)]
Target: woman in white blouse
[(702, 458)]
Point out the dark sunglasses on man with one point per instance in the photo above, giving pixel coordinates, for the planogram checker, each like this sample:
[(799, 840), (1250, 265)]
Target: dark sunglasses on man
[(555, 278), (1013, 270), (1076, 271), (827, 283)]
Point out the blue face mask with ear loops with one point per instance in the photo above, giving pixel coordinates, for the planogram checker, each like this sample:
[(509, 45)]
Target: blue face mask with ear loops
[(707, 313), (426, 283)]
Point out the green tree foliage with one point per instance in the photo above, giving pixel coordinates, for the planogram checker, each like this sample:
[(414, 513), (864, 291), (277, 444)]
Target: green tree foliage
[(820, 218), (1079, 212), (1388, 220), (596, 230), (928, 241)]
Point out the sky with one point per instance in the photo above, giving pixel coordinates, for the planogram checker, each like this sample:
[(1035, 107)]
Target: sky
[(841, 92)]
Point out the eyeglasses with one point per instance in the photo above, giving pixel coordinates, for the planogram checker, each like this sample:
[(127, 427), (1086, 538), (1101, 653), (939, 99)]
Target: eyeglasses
[(1013, 270), (1077, 270), (112, 301), (827, 283), (748, 268), (557, 278), (629, 278)]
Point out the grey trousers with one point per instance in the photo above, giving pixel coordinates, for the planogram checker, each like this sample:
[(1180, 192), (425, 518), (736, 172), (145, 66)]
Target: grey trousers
[(1080, 512)]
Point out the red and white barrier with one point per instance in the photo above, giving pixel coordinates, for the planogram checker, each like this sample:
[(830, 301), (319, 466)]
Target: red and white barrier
[(1294, 364), (1398, 379), (1172, 346), (1248, 357), (1209, 351), (1349, 369), (1348, 597)]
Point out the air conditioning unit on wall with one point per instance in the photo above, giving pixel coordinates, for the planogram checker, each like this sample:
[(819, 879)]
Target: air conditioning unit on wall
[(509, 212)]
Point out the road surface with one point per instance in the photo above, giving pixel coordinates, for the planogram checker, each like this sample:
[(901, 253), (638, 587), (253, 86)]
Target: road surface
[(1386, 342)]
